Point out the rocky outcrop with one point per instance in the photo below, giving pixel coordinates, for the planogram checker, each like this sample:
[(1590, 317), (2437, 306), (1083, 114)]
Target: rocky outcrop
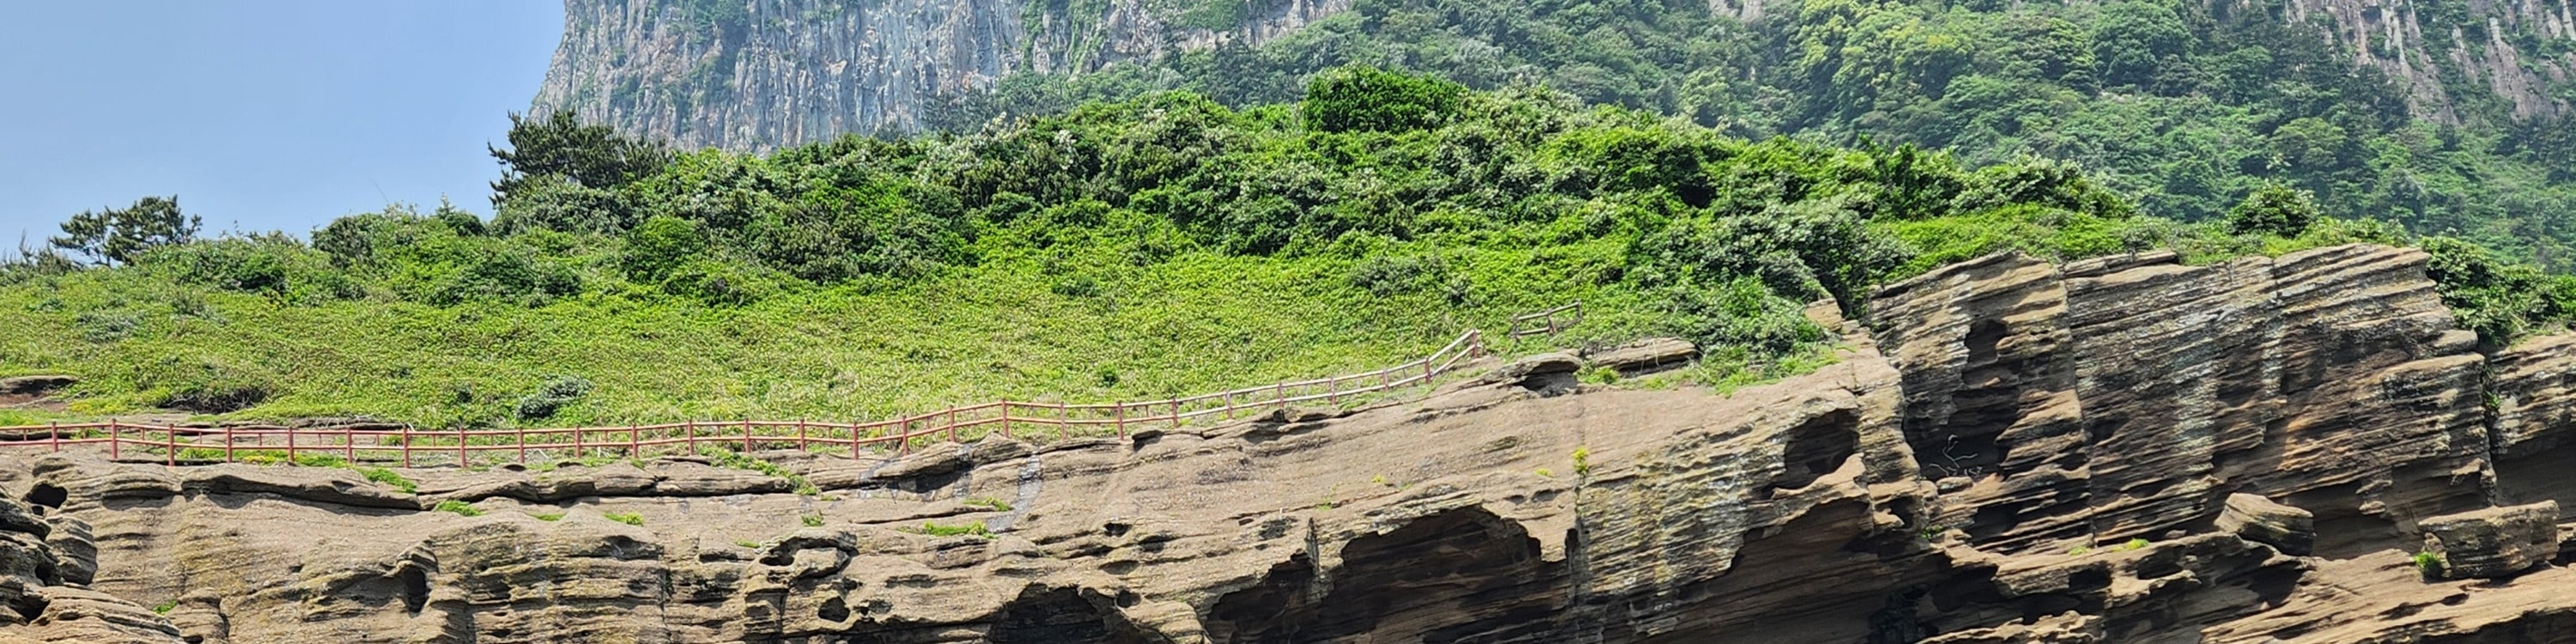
[(2288, 529), (2011, 451), (1644, 356), (2480, 46), (2493, 542), (759, 75)]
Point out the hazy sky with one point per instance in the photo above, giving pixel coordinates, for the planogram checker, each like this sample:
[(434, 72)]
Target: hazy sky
[(259, 114)]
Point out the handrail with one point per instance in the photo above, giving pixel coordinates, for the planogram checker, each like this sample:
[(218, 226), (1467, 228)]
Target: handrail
[(1545, 322)]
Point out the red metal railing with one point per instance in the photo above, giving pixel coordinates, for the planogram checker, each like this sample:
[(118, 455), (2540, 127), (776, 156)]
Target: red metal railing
[(1009, 418)]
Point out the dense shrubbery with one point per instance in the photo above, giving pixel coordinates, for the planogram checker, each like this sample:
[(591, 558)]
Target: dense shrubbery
[(2186, 110), (1392, 208)]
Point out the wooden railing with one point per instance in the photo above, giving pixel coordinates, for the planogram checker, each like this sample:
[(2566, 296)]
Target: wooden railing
[(1547, 322), (1008, 418)]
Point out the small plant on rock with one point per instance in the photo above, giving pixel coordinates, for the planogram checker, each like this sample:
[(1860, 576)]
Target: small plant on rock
[(812, 520), (390, 478), (549, 516), (2428, 563), (460, 508), (989, 503), (628, 518), (2136, 544), (975, 529), (1582, 461)]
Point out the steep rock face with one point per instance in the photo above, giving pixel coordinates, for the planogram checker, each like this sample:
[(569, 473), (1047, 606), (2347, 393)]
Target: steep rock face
[(2015, 452), (761, 74), (2500, 46), (2126, 398)]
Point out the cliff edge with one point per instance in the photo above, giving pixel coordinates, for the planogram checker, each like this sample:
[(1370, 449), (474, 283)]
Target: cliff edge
[(2119, 450)]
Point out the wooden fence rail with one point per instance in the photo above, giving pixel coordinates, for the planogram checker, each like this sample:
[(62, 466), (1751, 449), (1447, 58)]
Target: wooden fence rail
[(1547, 322), (1009, 418)]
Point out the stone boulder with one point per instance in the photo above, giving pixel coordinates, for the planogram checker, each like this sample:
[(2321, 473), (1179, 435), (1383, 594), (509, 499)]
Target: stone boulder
[(1645, 356), (2494, 542), (2291, 530)]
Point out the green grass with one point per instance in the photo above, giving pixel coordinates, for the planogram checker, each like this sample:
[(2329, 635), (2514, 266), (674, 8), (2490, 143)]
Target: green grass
[(548, 516), (391, 478), (1200, 322), (628, 518), (812, 520), (942, 530), (989, 503), (164, 608), (461, 508), (727, 458)]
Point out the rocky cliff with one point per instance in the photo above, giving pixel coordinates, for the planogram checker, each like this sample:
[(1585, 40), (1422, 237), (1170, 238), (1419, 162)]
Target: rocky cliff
[(2124, 450), (761, 74)]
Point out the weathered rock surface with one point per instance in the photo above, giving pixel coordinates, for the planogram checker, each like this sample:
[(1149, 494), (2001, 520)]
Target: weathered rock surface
[(2288, 529), (2113, 451), (2494, 542), (1645, 356), (759, 76)]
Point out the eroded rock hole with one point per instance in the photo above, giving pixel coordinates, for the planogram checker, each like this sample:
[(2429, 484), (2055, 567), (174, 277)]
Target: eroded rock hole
[(415, 588), (46, 496), (834, 610), (1818, 447)]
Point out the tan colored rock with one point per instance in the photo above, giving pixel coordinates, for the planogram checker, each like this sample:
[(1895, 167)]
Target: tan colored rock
[(2292, 530), (1645, 356), (2493, 542)]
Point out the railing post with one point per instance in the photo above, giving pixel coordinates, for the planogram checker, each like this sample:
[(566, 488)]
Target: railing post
[(228, 444), (689, 436), (1118, 411), (801, 445), (404, 441), (54, 429), (952, 423), (1006, 420), (1229, 405), (460, 447), (576, 444), (290, 444), (170, 446), (854, 441), (349, 441), (114, 446), (1333, 390), (634, 441), (522, 434), (1176, 413), (746, 437)]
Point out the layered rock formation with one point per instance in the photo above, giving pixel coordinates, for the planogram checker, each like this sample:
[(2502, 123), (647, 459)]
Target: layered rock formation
[(2007, 451)]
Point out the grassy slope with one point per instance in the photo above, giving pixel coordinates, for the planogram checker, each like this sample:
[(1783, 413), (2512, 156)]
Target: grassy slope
[(1199, 323)]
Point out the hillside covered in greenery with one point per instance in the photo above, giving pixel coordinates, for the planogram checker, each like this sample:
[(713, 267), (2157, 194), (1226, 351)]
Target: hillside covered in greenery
[(1134, 249), (2185, 108)]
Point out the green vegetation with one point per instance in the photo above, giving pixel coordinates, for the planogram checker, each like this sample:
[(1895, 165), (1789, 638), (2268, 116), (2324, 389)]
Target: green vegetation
[(1582, 461), (1125, 250), (2186, 109), (628, 518), (164, 608), (747, 544), (727, 458), (812, 520), (2430, 564), (989, 503), (461, 508), (2135, 544), (976, 529), (548, 516), (390, 478)]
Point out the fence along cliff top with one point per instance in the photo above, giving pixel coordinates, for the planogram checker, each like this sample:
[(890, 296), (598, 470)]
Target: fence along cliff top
[(194, 445)]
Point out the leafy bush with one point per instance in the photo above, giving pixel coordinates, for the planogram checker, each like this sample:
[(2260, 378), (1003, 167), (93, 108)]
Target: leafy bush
[(2274, 209), (552, 397), (661, 245), (107, 326), (1368, 98)]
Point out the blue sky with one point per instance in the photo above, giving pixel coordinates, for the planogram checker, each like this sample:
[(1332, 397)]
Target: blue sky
[(259, 115)]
